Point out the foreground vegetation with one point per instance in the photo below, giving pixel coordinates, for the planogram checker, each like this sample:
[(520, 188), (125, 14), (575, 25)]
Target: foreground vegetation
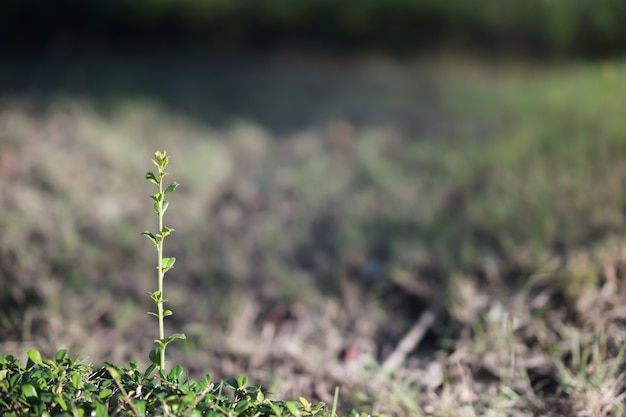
[(66, 387), (319, 232)]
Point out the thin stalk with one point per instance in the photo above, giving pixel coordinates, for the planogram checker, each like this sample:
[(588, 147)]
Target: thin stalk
[(160, 279)]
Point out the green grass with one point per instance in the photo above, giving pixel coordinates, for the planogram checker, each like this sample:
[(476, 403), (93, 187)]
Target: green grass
[(319, 214)]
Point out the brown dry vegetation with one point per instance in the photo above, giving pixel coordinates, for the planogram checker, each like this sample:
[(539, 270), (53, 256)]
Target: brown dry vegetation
[(324, 209)]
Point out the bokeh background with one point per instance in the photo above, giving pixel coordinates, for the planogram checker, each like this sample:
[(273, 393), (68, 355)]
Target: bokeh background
[(344, 167)]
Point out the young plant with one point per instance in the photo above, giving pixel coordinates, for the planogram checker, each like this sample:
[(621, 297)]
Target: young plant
[(157, 355)]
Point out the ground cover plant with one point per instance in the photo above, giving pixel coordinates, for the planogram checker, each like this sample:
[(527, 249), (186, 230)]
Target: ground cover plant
[(465, 217)]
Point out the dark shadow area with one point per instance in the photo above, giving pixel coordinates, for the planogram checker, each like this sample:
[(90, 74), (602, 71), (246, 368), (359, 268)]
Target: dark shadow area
[(530, 28), (282, 93)]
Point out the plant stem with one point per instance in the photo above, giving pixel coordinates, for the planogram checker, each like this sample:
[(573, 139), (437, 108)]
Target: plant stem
[(160, 279)]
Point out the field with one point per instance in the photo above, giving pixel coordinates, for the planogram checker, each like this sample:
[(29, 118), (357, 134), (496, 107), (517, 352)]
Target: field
[(463, 216)]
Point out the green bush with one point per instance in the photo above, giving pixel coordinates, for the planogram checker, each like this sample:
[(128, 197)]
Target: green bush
[(68, 388)]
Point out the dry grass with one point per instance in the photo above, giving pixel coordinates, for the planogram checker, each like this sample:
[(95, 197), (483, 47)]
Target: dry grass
[(308, 247)]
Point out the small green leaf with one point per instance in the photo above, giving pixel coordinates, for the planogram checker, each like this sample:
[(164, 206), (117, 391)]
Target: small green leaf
[(153, 314), (260, 397), (141, 407), (276, 409), (155, 355), (305, 403), (167, 313), (29, 391), (157, 208), (242, 406), (165, 205), (35, 356), (242, 381), (293, 408), (156, 296), (76, 380), (61, 354), (101, 410), (165, 231), (151, 177), (170, 339), (13, 380), (104, 393), (203, 383), (171, 187), (149, 371), (176, 373), (168, 263), (150, 236), (231, 382), (59, 400)]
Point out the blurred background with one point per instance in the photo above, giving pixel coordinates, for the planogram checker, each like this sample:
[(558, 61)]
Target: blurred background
[(344, 166)]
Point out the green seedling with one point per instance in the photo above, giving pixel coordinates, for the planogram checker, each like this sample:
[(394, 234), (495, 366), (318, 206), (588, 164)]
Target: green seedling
[(157, 355)]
